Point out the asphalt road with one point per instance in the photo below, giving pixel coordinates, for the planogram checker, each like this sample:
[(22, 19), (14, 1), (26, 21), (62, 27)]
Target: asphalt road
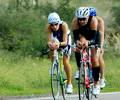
[(102, 96)]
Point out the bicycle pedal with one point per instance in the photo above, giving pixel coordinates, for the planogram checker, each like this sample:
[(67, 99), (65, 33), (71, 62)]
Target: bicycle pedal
[(96, 96), (91, 82), (77, 79), (68, 93), (65, 80), (101, 88)]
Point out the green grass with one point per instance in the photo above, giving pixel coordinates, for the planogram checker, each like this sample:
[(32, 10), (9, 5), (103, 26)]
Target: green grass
[(30, 76), (112, 74), (23, 76)]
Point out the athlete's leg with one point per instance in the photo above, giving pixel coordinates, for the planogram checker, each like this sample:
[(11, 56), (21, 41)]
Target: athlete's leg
[(102, 70), (102, 65), (67, 67), (77, 57), (96, 70)]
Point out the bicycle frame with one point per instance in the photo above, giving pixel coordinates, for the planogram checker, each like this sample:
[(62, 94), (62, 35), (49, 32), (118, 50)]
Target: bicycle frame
[(84, 82), (58, 70)]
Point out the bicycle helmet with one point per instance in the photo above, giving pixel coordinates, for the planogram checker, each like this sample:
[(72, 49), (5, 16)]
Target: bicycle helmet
[(82, 12), (53, 18), (92, 11)]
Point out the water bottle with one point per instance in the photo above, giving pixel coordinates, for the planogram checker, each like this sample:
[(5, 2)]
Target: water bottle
[(90, 75)]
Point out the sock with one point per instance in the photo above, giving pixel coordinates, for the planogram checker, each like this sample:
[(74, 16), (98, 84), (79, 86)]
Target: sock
[(95, 73)]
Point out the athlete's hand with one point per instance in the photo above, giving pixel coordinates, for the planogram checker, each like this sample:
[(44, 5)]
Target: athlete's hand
[(53, 46), (101, 50), (85, 44), (77, 49), (78, 44)]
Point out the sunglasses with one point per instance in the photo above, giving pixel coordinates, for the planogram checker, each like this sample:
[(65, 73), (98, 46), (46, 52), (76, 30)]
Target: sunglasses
[(54, 24), (80, 19)]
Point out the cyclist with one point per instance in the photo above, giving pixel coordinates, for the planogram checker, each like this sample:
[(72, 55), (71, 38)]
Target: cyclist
[(59, 29), (85, 31), (101, 30)]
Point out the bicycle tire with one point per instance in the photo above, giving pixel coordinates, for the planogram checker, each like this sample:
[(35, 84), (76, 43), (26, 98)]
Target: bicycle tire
[(55, 82), (63, 86), (89, 91), (81, 83)]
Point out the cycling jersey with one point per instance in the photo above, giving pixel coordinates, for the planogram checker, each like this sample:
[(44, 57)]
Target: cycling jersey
[(87, 32), (59, 35)]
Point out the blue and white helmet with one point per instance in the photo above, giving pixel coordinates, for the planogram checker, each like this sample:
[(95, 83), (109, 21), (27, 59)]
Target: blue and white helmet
[(92, 11), (82, 12), (53, 18)]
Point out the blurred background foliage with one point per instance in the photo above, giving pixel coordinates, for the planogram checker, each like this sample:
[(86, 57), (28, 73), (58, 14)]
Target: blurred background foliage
[(23, 38), (23, 23)]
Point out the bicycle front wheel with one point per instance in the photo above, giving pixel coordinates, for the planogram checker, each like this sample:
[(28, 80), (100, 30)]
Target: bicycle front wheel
[(81, 84), (55, 82), (89, 92), (63, 82)]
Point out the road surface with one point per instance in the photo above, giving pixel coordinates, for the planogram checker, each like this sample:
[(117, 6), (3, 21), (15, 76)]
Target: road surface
[(102, 96)]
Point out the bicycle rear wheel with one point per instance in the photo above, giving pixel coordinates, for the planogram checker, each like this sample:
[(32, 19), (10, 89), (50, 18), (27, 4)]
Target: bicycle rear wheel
[(63, 86), (55, 82)]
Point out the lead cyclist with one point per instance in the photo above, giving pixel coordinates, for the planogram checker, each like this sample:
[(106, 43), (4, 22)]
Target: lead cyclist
[(85, 31)]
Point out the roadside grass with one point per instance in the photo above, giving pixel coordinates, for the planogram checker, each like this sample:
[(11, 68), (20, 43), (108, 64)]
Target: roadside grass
[(112, 74), (23, 76), (30, 76)]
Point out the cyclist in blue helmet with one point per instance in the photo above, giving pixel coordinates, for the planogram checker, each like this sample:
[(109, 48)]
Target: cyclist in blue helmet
[(101, 30), (92, 11)]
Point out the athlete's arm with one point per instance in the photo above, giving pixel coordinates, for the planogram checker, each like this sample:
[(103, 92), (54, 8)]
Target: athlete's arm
[(65, 36), (74, 24), (77, 37), (94, 24), (93, 31), (75, 29), (101, 30), (49, 33), (51, 43)]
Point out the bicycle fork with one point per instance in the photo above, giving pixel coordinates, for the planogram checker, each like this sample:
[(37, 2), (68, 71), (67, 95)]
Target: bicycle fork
[(87, 80)]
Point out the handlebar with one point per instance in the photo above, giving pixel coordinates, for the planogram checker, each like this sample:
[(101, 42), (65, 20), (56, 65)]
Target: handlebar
[(89, 46)]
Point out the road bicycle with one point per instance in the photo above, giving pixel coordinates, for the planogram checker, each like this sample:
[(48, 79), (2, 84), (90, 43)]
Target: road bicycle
[(85, 80), (58, 80)]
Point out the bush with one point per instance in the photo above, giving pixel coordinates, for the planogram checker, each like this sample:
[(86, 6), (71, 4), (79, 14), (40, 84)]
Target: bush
[(23, 31), (116, 15)]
